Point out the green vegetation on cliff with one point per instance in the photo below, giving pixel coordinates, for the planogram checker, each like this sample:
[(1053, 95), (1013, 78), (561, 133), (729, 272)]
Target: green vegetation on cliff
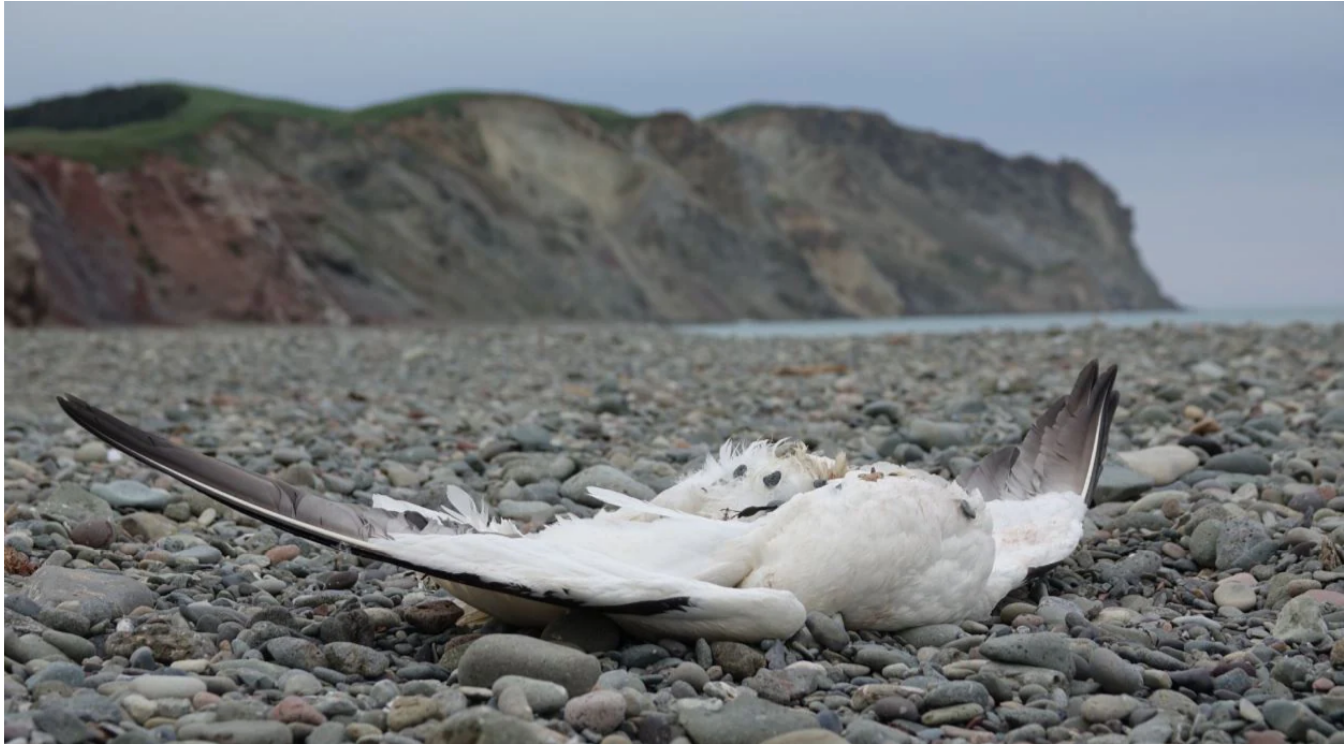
[(115, 127)]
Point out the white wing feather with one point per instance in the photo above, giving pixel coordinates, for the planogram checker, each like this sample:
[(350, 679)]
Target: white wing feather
[(462, 511)]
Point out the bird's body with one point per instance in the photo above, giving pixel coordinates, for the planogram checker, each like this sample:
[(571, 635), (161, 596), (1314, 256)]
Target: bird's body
[(740, 550), (887, 547)]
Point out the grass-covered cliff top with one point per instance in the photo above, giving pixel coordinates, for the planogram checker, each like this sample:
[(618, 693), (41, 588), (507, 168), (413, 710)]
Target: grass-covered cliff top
[(114, 127)]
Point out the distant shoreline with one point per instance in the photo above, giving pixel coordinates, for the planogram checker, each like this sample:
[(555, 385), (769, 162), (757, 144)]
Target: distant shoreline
[(819, 328), (1027, 322)]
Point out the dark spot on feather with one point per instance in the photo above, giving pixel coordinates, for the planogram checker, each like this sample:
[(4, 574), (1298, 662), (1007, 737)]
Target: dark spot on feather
[(751, 511), (772, 479), (818, 483), (416, 519), (740, 471), (967, 509)]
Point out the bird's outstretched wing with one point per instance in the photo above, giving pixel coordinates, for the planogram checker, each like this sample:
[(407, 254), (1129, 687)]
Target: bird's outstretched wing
[(552, 571), (1061, 453)]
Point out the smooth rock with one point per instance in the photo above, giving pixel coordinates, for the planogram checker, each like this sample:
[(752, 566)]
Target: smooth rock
[(129, 494), (1120, 483), (352, 658), (1300, 621), (296, 653), (745, 721), (238, 732), (70, 503), (1103, 708), (1235, 595), (1048, 650), (829, 632), (501, 654), (933, 435), (543, 698), (155, 686), (100, 595), (738, 659), (1243, 544), (1163, 465), (1114, 674), (1240, 461), (603, 476), (601, 711)]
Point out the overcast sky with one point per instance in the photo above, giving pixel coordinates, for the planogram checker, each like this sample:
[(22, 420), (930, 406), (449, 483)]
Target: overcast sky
[(1222, 125)]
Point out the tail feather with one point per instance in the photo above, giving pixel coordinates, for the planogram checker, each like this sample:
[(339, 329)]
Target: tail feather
[(1062, 452)]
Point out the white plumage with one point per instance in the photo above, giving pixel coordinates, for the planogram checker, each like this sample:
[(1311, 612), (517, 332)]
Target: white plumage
[(741, 549)]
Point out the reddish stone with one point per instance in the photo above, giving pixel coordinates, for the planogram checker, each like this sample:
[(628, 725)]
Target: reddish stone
[(1325, 596), (203, 700), (282, 553), (434, 616), (297, 710)]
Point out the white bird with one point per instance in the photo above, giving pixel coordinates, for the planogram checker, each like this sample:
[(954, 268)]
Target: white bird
[(740, 550)]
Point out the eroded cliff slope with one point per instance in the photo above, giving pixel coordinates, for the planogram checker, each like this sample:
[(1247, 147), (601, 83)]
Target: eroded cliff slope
[(501, 207)]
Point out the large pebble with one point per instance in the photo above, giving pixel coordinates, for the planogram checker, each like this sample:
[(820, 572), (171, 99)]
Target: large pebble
[(129, 494), (1114, 674), (543, 698), (744, 721), (154, 686), (70, 503), (352, 658), (603, 476), (1163, 464), (99, 595), (1241, 461), (1300, 621), (1234, 594), (238, 732), (601, 711), (1048, 650), (501, 654)]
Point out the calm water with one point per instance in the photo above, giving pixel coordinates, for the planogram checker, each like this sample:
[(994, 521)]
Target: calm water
[(1041, 322)]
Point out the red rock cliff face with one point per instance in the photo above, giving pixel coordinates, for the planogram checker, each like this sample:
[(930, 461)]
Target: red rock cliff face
[(166, 243), (512, 208)]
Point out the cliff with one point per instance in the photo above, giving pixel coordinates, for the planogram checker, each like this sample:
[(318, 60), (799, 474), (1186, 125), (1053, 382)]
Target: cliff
[(208, 206)]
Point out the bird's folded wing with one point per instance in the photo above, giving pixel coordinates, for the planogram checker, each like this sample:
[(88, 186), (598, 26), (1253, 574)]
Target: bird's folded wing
[(1062, 452), (560, 574)]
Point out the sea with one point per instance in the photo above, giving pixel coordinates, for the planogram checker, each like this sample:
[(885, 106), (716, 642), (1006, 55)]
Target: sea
[(935, 324)]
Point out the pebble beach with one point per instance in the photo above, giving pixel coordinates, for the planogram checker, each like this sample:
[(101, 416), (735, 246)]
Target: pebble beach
[(1204, 603)]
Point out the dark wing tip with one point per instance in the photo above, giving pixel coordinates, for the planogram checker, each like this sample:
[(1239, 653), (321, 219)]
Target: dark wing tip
[(77, 409), (1084, 386), (109, 428)]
